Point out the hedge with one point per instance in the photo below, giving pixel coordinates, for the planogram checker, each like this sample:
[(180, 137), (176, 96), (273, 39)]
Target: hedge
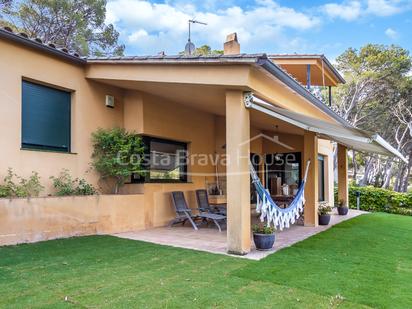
[(378, 199)]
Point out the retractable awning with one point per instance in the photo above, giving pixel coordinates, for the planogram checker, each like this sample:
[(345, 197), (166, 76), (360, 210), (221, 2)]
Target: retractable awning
[(349, 136)]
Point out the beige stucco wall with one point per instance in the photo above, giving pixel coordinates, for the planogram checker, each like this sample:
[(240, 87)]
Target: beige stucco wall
[(88, 113), (36, 219), (170, 120)]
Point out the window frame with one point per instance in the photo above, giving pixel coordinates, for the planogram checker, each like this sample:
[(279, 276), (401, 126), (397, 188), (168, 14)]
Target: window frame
[(40, 147), (146, 177), (321, 177)]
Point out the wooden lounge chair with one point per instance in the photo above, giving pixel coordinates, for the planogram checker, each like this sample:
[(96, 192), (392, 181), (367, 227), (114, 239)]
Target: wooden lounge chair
[(204, 206), (184, 213)]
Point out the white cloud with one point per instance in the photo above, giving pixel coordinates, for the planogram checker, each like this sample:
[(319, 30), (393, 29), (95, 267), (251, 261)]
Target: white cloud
[(392, 34), (352, 10), (152, 27), (347, 11), (384, 7)]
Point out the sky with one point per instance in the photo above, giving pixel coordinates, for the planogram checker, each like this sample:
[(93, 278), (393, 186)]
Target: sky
[(263, 26)]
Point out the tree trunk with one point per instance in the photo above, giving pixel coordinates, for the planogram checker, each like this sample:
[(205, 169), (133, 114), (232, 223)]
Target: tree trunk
[(388, 175), (399, 177), (368, 170), (405, 182), (355, 167)]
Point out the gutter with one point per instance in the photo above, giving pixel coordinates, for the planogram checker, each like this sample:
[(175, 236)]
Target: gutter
[(295, 86), (4, 34)]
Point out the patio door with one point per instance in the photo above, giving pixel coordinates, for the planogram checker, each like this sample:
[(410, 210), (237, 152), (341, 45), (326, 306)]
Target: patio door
[(281, 169)]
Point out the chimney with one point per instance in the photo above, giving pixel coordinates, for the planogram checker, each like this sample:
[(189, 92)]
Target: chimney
[(231, 46)]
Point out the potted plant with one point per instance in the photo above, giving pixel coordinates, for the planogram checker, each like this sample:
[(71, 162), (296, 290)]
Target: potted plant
[(342, 208), (324, 214), (263, 236)]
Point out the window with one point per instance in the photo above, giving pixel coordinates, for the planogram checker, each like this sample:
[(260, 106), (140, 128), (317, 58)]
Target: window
[(282, 168), (321, 178), (255, 159), (165, 161), (45, 118)]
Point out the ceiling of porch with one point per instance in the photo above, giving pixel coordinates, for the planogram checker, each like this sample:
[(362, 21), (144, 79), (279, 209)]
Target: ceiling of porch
[(206, 98)]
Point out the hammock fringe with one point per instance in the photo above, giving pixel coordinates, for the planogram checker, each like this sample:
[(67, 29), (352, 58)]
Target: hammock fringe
[(270, 212)]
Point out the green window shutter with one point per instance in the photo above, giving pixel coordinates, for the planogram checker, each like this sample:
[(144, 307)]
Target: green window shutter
[(45, 117)]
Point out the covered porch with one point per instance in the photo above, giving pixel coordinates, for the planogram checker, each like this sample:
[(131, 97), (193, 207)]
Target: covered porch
[(201, 105), (210, 240)]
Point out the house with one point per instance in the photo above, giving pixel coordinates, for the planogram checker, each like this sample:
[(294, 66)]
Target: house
[(233, 104)]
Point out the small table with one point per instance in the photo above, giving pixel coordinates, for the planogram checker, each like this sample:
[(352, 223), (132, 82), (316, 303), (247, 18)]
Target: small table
[(283, 200), (217, 200)]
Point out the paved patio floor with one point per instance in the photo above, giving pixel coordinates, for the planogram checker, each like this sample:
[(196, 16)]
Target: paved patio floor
[(211, 240)]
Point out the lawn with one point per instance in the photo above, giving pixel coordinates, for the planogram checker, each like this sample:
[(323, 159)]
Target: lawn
[(366, 261)]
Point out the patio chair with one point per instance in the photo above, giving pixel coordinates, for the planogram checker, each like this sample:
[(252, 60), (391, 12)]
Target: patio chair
[(184, 213), (204, 206)]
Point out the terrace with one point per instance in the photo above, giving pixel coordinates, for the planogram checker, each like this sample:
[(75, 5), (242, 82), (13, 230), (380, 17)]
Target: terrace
[(211, 240)]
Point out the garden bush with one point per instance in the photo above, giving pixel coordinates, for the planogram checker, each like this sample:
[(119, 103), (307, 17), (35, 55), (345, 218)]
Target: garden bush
[(16, 186), (117, 154), (65, 185), (378, 199)]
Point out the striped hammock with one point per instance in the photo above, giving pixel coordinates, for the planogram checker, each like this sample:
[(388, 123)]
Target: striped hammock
[(280, 218)]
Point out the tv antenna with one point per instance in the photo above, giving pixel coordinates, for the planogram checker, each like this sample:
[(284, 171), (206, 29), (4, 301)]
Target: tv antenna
[(190, 47)]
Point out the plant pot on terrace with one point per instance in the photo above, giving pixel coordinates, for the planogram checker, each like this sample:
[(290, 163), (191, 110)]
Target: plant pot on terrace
[(324, 214), (263, 236), (342, 208)]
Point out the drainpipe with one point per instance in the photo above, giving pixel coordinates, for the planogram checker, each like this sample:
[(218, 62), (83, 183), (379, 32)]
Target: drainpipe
[(308, 76)]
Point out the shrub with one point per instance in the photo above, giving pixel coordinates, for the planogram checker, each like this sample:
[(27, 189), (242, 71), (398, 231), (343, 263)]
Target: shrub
[(85, 188), (262, 229), (117, 155), (65, 185), (378, 199), (16, 186), (324, 209)]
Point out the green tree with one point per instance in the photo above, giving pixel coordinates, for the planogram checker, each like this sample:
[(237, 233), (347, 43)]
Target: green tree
[(377, 81), (205, 50), (117, 154), (77, 25)]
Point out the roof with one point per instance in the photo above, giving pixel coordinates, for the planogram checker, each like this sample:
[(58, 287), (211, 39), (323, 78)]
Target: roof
[(175, 59), (36, 43), (259, 60), (321, 57)]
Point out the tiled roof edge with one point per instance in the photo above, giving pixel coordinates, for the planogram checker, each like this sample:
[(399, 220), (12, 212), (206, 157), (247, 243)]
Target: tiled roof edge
[(36, 43)]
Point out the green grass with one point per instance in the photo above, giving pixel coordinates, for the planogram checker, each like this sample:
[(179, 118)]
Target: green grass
[(363, 262)]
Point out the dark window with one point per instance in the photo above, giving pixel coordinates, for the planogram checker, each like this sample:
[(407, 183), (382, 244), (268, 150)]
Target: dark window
[(165, 161), (282, 168), (321, 178), (45, 118), (255, 159)]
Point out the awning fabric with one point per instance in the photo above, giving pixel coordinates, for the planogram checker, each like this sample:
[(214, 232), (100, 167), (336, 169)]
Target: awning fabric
[(349, 136)]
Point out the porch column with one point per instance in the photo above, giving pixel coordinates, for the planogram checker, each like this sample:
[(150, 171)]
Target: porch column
[(343, 193), (310, 152), (238, 177)]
